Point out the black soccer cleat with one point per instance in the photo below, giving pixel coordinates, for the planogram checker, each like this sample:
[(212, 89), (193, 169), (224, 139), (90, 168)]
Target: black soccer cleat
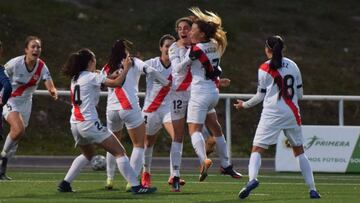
[(248, 188), (3, 168), (3, 176), (231, 172), (137, 190), (65, 186), (314, 194), (175, 186)]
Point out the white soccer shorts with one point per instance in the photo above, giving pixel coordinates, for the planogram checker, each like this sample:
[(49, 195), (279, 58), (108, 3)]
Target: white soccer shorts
[(89, 132)]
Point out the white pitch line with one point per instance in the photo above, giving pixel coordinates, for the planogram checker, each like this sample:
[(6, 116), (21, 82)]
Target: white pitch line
[(192, 182), (294, 177)]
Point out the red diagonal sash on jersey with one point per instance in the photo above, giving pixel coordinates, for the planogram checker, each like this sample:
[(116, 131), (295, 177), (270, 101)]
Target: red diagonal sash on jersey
[(77, 113), (186, 82), (155, 104), (107, 69), (204, 60), (280, 81), (121, 96), (20, 90)]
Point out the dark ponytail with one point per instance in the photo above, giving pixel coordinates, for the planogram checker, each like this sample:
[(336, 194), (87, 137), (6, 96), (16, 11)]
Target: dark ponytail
[(118, 53), (276, 45), (77, 62)]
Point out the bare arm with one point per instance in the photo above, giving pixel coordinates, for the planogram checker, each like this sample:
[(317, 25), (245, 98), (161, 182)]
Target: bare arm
[(120, 77), (49, 84)]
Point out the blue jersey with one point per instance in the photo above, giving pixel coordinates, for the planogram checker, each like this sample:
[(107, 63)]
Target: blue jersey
[(5, 86)]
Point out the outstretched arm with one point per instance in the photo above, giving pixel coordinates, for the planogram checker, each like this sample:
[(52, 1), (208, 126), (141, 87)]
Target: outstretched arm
[(49, 84)]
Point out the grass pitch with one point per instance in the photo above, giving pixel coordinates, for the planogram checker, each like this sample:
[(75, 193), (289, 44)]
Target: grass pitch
[(40, 186)]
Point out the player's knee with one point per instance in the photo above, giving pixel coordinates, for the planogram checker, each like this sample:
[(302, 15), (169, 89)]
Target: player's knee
[(17, 130)]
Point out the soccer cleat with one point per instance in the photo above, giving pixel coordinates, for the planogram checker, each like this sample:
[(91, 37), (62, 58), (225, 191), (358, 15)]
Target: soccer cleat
[(314, 194), (230, 171), (146, 179), (175, 187), (137, 190), (109, 184), (248, 188), (128, 187), (170, 181), (64, 187), (204, 168), (3, 176)]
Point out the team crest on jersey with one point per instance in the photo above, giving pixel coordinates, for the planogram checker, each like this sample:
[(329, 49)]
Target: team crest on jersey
[(35, 77)]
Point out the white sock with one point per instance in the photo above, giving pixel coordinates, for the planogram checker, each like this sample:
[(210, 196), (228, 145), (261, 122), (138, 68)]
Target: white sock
[(306, 171), (198, 143), (75, 168), (175, 158), (148, 158), (222, 151), (110, 166), (8, 145), (137, 159), (126, 171), (254, 165)]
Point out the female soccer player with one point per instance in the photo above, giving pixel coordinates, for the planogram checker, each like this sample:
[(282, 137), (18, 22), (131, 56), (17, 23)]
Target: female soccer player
[(85, 124), (123, 105), (25, 73), (182, 80), (5, 88), (280, 86), (156, 111), (204, 58)]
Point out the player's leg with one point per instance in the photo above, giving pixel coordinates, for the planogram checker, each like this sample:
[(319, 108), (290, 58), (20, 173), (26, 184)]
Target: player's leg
[(152, 126), (210, 141), (88, 152), (17, 130), (254, 167), (114, 124), (222, 150), (294, 136), (175, 156), (134, 122), (111, 166), (113, 145)]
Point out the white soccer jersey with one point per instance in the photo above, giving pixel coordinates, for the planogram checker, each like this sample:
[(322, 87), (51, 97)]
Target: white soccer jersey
[(200, 83), (280, 105), (181, 79), (85, 94), (125, 97), (23, 82), (156, 93)]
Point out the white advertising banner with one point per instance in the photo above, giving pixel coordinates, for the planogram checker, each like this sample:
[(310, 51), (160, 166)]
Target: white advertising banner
[(329, 149)]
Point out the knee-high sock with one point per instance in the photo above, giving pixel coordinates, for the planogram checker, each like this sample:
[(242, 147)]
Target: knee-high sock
[(127, 171), (76, 166), (110, 166), (8, 145), (222, 151), (175, 158), (306, 171), (198, 143), (254, 165), (148, 158), (137, 159)]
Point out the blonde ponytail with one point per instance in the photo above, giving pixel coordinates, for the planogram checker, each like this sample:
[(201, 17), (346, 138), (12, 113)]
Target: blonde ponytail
[(214, 27)]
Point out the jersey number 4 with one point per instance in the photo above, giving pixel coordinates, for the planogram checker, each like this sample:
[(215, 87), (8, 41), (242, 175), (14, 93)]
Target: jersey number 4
[(76, 97)]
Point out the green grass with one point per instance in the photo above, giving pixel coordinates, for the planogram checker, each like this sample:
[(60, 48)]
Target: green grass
[(30, 186)]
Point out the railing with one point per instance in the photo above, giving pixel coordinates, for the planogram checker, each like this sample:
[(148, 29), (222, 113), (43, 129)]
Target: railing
[(339, 98)]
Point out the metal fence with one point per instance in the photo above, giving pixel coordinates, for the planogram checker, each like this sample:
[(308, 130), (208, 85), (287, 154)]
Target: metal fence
[(227, 97)]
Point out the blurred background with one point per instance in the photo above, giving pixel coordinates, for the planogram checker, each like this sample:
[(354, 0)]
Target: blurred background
[(322, 37)]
